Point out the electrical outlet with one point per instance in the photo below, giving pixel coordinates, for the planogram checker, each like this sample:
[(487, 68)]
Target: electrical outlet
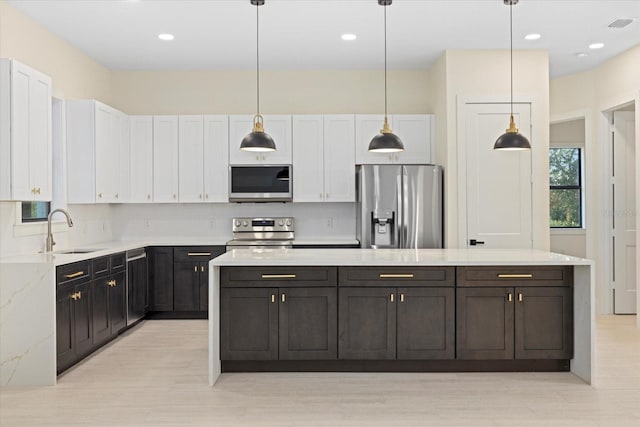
[(330, 222)]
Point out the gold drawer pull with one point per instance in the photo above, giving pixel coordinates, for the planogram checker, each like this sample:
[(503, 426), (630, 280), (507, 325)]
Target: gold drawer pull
[(278, 276), (71, 276), (199, 253), (396, 276), (515, 276)]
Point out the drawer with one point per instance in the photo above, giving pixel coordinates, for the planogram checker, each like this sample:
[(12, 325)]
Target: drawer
[(101, 266), (117, 262), (285, 276), (75, 272), (396, 276), (196, 253), (515, 276)]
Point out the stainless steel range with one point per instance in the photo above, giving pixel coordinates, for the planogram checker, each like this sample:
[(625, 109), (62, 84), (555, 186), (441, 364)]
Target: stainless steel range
[(252, 233)]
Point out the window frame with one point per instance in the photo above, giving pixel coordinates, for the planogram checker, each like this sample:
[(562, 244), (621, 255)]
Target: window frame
[(580, 186)]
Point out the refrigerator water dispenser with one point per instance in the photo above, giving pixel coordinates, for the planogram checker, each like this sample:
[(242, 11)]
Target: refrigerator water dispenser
[(383, 229)]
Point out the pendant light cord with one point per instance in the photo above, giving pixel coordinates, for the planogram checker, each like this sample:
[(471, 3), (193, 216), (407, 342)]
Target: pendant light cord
[(385, 61), (511, 50), (257, 60)]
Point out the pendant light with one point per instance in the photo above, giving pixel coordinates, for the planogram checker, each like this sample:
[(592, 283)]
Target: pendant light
[(386, 141), (258, 139), (511, 139)]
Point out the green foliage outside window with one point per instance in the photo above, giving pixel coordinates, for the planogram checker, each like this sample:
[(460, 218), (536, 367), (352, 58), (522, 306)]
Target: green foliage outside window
[(565, 188), (35, 211)]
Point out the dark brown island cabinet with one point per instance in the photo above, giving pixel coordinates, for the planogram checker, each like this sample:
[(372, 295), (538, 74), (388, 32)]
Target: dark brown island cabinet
[(418, 318), (179, 280), (271, 313)]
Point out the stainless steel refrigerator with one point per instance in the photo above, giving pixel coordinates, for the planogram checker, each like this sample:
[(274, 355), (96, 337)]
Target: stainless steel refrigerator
[(399, 206)]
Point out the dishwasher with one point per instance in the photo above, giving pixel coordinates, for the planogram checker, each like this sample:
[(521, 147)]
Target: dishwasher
[(137, 285)]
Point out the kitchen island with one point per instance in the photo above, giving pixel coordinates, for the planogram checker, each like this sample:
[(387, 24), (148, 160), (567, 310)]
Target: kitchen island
[(287, 309)]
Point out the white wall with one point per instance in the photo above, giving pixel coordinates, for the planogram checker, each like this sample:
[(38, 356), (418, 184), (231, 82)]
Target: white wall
[(588, 95), (569, 241)]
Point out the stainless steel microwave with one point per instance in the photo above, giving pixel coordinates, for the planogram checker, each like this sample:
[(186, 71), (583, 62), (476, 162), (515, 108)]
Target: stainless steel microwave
[(260, 183)]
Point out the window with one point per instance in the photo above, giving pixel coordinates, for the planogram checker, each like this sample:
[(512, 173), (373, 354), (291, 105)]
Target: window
[(35, 211), (565, 179)]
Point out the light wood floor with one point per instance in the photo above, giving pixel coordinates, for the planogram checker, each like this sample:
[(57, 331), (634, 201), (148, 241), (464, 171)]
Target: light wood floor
[(156, 375)]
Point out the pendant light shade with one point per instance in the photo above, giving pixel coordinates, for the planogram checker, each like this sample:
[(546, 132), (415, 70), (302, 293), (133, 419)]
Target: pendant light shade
[(258, 139), (511, 139), (386, 141)]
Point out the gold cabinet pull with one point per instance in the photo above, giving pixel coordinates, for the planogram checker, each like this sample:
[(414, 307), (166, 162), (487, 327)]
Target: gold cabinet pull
[(401, 297), (510, 297), (74, 296), (515, 276), (79, 295), (395, 276), (38, 190), (520, 297), (273, 298), (391, 297), (195, 268), (111, 283), (284, 298), (278, 276), (72, 275), (202, 268), (100, 195), (199, 253)]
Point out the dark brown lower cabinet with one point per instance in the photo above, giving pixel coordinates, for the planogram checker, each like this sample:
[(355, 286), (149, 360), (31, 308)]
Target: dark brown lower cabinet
[(161, 276), (74, 334), (396, 323), (109, 307), (186, 286), (506, 323), (278, 323)]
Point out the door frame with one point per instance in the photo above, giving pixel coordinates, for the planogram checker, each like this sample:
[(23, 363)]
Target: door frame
[(539, 156), (605, 286)]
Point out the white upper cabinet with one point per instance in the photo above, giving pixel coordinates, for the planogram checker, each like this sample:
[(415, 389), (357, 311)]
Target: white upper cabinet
[(25, 133), (415, 130), (216, 159), (190, 158), (165, 159), (97, 153), (277, 126), (324, 158), (141, 159)]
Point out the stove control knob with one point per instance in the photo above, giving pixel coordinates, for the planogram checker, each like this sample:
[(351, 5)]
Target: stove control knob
[(237, 223), (281, 223), (245, 223), (288, 223)]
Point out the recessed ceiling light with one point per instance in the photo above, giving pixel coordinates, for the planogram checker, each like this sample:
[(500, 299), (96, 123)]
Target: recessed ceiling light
[(166, 36), (349, 37), (596, 45), (533, 36), (582, 54)]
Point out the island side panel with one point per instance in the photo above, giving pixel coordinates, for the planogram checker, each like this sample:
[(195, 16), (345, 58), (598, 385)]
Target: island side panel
[(214, 324), (28, 324), (583, 362)]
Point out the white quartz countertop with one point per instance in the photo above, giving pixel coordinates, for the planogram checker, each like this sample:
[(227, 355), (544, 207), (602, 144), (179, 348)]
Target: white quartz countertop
[(391, 257)]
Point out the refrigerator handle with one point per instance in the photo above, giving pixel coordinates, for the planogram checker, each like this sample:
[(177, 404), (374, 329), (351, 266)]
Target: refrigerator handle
[(402, 208)]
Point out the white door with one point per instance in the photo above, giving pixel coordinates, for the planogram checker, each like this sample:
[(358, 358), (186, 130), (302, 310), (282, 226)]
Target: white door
[(308, 161), (141, 159), (190, 157), (216, 159), (624, 218), (339, 159), (415, 132), (165, 158), (498, 183)]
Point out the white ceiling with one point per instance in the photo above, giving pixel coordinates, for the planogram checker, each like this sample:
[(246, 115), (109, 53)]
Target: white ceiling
[(305, 34)]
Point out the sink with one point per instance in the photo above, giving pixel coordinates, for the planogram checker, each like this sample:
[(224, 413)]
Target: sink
[(77, 251)]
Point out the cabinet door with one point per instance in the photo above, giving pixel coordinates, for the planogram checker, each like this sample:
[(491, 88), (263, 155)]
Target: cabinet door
[(426, 323), (191, 162), (141, 159), (367, 323), (165, 158), (107, 153), (216, 159), (543, 323), (117, 303), (204, 286), (415, 131), (484, 323), (277, 126), (123, 165), (308, 324), (138, 295), (339, 159), (21, 186), (248, 323), (100, 311), (82, 319), (308, 159), (65, 331), (161, 279), (368, 126), (40, 144), (186, 286)]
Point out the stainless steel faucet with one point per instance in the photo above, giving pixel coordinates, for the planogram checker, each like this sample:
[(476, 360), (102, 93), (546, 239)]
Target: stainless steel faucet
[(50, 242)]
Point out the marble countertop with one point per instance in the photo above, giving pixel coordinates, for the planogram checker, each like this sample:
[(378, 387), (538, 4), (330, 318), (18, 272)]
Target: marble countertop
[(391, 257)]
